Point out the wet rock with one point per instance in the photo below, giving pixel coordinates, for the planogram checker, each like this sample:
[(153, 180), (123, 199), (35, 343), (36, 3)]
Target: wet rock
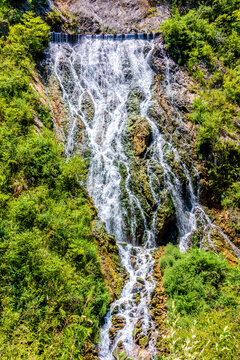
[(133, 251), (139, 337), (133, 262), (140, 280), (119, 322), (134, 99), (158, 63), (143, 341), (137, 298), (166, 220), (124, 305), (132, 314), (137, 330), (115, 310), (112, 333), (120, 345), (88, 107), (140, 133), (136, 288)]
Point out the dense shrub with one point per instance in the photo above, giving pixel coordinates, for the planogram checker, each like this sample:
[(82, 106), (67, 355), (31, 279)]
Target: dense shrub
[(203, 305), (193, 280), (52, 292)]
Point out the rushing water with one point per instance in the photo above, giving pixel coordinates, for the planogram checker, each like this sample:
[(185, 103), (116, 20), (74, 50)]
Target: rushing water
[(105, 72)]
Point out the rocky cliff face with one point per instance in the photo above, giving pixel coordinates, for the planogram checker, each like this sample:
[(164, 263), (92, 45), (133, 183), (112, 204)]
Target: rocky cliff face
[(174, 94), (96, 16)]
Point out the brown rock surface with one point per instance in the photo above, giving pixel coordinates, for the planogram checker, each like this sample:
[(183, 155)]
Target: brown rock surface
[(115, 15), (159, 300), (140, 133)]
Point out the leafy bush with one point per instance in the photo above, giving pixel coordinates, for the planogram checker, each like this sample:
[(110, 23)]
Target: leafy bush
[(232, 196), (203, 305), (53, 294), (31, 33), (193, 281)]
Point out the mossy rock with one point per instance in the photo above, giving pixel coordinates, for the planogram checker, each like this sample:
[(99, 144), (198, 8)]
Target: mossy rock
[(115, 310), (137, 330), (88, 107), (133, 102), (139, 132), (143, 342), (137, 297), (113, 272), (112, 333), (133, 251), (118, 321), (166, 220)]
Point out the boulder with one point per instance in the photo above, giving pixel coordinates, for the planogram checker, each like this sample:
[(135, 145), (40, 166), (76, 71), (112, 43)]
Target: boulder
[(139, 132), (118, 322)]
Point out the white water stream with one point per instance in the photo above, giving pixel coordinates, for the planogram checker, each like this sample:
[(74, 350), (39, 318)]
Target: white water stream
[(106, 71)]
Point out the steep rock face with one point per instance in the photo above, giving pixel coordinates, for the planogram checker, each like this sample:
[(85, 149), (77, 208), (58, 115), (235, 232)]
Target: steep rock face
[(166, 221), (113, 272), (174, 94), (159, 300), (137, 145), (59, 111), (111, 15)]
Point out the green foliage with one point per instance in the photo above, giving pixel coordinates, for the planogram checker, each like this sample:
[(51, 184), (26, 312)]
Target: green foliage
[(203, 305), (31, 34), (52, 291), (172, 253), (54, 19), (232, 197), (206, 39), (211, 335), (193, 280), (50, 268)]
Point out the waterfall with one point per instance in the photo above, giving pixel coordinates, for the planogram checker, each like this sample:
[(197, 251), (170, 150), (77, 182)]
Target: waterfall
[(96, 78)]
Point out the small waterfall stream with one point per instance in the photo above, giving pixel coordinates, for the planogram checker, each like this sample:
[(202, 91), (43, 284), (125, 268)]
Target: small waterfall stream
[(101, 74)]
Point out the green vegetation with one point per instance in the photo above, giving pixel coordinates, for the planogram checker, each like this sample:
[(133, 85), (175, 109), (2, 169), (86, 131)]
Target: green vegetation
[(52, 291), (206, 40), (203, 305)]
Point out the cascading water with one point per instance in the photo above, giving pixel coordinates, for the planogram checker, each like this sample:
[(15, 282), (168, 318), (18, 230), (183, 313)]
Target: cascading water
[(101, 74)]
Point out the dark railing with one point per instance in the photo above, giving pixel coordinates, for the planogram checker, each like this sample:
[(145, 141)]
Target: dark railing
[(75, 38)]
